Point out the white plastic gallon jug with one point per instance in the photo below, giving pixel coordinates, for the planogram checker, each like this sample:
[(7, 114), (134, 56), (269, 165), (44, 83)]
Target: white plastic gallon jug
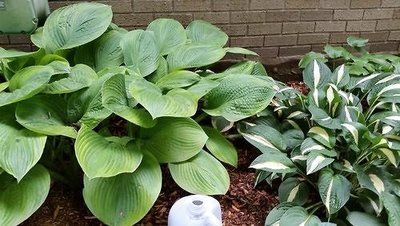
[(195, 210)]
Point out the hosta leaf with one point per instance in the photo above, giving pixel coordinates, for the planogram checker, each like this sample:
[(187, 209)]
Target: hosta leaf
[(334, 190), (45, 115), (20, 148), (178, 79), (26, 83), (91, 20), (239, 50), (168, 34), (340, 76), (293, 138), (202, 87), (337, 52), (202, 32), (276, 213), (316, 75), (3, 86), (309, 145), (298, 216), (86, 105), (316, 161), (220, 147), (238, 97), (371, 179), (294, 191), (323, 136), (175, 103), (356, 41), (18, 201), (102, 157), (274, 161), (81, 76), (103, 52), (115, 99), (310, 57), (124, 199), (392, 206), (173, 139), (202, 174), (363, 219), (11, 53), (323, 119), (160, 72), (140, 51), (193, 56), (221, 124), (355, 130), (264, 138)]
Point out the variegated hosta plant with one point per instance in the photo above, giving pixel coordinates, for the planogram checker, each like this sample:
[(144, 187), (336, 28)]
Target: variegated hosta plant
[(335, 150), (60, 100)]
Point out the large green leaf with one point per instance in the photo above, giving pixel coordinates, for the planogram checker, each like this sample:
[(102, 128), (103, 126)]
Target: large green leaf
[(81, 76), (220, 147), (175, 103), (202, 174), (363, 219), (173, 139), (202, 87), (298, 216), (274, 161), (103, 52), (86, 104), (75, 25), (18, 201), (178, 79), (115, 98), (26, 83), (294, 191), (202, 32), (10, 53), (238, 97), (46, 115), (140, 51), (125, 199), (105, 157), (20, 148), (168, 33), (194, 56), (334, 190)]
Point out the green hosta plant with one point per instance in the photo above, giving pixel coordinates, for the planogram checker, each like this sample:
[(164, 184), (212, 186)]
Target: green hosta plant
[(59, 103), (358, 61), (335, 150)]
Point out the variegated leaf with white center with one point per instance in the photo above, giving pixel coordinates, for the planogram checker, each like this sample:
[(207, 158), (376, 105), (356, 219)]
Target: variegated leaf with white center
[(323, 136), (334, 190), (316, 75), (294, 191), (273, 161), (316, 162), (340, 76)]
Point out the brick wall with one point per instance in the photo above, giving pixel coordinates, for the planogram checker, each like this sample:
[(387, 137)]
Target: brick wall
[(273, 28)]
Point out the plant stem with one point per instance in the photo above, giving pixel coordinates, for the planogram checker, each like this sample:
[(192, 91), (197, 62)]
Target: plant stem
[(201, 117)]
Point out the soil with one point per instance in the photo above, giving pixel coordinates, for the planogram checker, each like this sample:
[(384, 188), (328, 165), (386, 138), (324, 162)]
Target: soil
[(242, 205)]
